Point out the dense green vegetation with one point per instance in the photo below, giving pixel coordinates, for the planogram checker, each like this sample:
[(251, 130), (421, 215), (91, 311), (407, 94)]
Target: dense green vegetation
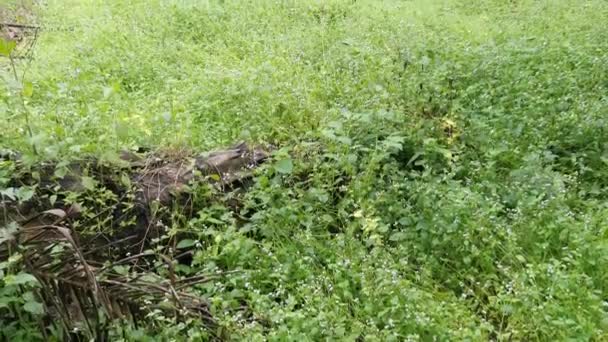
[(444, 164)]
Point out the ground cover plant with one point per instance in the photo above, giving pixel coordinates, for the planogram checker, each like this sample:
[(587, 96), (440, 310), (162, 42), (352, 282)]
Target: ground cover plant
[(436, 169)]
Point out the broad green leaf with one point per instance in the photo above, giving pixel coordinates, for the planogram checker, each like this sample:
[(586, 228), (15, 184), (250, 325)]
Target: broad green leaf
[(125, 180), (284, 166), (186, 243), (6, 300), (19, 279), (7, 47), (28, 89), (345, 140), (151, 278), (33, 307), (60, 171), (8, 233), (88, 183), (28, 296), (405, 221), (25, 193), (15, 258), (107, 91), (398, 236), (414, 158), (122, 130), (11, 193), (213, 220), (121, 269)]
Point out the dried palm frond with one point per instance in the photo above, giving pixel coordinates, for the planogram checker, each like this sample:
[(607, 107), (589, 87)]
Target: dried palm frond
[(77, 294)]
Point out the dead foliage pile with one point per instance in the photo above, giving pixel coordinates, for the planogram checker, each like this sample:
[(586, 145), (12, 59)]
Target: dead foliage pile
[(96, 261)]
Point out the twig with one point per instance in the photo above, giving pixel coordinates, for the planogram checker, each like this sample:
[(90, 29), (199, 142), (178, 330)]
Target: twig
[(110, 244), (26, 111), (121, 261), (30, 52), (187, 282), (23, 26)]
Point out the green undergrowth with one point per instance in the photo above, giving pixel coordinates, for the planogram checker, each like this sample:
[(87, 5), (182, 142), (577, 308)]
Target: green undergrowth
[(441, 172)]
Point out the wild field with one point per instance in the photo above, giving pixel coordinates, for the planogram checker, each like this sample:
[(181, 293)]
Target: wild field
[(438, 169)]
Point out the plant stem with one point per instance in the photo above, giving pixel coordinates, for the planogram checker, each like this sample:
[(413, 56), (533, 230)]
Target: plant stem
[(26, 112)]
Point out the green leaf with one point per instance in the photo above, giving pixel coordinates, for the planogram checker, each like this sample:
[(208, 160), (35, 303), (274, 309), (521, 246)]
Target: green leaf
[(121, 269), (213, 220), (6, 300), (107, 91), (8, 233), (28, 89), (11, 193), (151, 278), (284, 166), (28, 296), (413, 159), (186, 243), (394, 143), (61, 170), (25, 193), (19, 279), (33, 307), (399, 236), (7, 47), (345, 140), (125, 180), (88, 183), (405, 221), (122, 130)]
